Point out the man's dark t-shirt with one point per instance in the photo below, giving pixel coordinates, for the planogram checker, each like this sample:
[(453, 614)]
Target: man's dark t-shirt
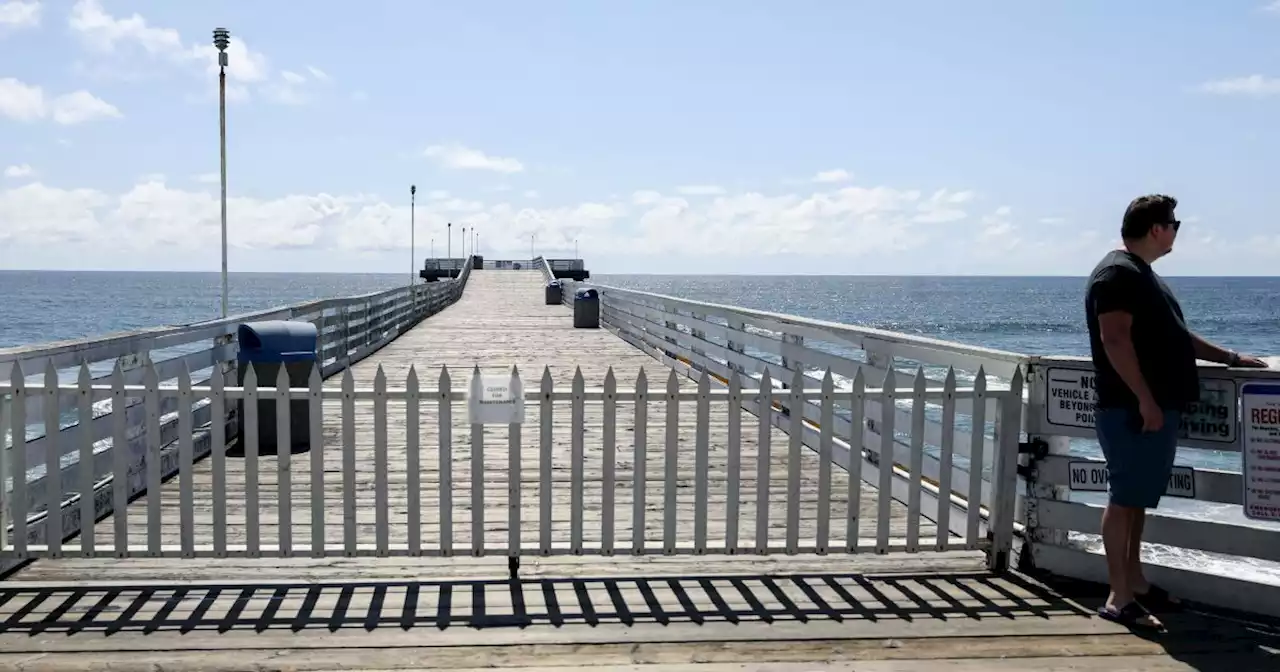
[(1166, 354)]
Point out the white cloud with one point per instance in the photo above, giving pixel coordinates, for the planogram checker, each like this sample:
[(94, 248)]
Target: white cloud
[(19, 14), (464, 158), (23, 170), (27, 102), (1257, 86), (645, 197), (531, 193), (700, 190), (830, 176), (318, 73), (124, 38), (849, 229), (81, 106), (1272, 8), (209, 178)]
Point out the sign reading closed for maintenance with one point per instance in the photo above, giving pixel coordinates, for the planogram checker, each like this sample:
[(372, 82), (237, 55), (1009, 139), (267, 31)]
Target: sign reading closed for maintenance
[(1069, 400), (495, 400)]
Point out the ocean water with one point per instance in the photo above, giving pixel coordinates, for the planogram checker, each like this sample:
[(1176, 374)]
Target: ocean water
[(44, 306), (1025, 315)]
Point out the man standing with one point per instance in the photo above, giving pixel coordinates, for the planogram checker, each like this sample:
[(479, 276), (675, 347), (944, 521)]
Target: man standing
[(1145, 358)]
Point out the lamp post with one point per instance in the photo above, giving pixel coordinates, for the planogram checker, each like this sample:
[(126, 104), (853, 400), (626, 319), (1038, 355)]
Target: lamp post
[(532, 236), (413, 255), (464, 242), (449, 247), (221, 40), (575, 248)]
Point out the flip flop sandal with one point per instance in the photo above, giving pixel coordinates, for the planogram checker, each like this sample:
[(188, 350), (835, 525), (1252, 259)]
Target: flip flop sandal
[(1131, 616), (1158, 598)]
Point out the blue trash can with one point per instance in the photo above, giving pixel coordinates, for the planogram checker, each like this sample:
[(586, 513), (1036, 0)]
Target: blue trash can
[(586, 309), (555, 293), (268, 346)]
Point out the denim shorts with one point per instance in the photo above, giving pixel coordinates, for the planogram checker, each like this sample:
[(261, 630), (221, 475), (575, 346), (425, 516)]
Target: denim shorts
[(1138, 462)]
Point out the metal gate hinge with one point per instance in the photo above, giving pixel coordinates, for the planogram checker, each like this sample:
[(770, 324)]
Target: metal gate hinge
[(1037, 448)]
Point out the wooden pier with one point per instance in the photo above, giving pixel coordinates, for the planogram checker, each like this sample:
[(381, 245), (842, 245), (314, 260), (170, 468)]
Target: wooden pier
[(653, 611)]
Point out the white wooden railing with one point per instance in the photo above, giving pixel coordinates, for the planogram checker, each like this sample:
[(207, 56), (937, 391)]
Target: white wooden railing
[(1195, 547), (59, 427), (695, 336), (736, 478)]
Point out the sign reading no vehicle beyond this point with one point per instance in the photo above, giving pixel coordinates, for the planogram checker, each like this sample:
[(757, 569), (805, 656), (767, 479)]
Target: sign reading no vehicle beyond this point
[(1070, 396)]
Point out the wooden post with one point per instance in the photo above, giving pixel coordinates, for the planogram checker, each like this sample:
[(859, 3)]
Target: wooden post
[(734, 346)]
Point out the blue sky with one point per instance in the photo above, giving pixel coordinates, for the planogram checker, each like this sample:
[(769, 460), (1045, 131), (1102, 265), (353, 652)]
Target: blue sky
[(713, 136)]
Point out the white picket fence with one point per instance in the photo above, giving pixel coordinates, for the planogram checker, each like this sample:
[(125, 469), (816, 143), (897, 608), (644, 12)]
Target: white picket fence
[(620, 495)]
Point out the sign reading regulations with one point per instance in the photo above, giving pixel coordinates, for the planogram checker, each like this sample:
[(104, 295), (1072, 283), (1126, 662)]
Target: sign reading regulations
[(1261, 408), (1070, 396), (495, 400)]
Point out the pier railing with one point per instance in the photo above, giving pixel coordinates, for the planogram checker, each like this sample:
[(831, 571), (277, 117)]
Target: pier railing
[(1206, 549), (55, 430), (694, 336), (434, 484), (1193, 552)]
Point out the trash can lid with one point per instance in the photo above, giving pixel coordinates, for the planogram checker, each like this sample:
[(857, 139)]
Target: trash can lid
[(553, 283), (277, 341), (586, 293)]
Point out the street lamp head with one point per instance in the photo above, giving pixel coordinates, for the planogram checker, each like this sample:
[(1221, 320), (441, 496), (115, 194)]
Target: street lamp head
[(413, 189)]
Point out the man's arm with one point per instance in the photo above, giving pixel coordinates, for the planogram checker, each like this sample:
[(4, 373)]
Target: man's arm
[(1114, 327), (1216, 353), (1212, 353)]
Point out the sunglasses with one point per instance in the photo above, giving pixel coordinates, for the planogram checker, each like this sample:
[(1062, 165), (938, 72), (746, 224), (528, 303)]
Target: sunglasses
[(1176, 224)]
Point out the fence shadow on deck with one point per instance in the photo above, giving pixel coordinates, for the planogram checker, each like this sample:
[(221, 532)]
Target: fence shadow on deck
[(663, 600)]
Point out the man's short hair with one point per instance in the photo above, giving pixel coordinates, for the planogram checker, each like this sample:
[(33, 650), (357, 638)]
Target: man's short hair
[(1145, 212)]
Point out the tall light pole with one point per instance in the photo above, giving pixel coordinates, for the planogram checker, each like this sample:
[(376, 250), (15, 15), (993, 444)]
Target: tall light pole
[(221, 40), (464, 242), (413, 255), (532, 236), (449, 247), (433, 247), (575, 248)]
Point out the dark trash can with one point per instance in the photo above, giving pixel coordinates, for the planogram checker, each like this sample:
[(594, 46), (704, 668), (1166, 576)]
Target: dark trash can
[(586, 309), (477, 262), (269, 346), (555, 293)]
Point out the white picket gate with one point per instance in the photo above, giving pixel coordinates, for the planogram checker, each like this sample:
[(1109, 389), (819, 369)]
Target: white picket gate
[(400, 471)]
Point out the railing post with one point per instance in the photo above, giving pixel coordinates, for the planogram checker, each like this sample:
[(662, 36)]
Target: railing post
[(734, 346), (6, 423), (1004, 474), (227, 367), (1037, 490), (672, 326), (346, 336), (698, 334), (791, 364)]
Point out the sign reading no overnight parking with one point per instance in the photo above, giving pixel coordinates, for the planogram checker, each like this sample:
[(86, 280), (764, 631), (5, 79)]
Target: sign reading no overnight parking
[(1070, 395)]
